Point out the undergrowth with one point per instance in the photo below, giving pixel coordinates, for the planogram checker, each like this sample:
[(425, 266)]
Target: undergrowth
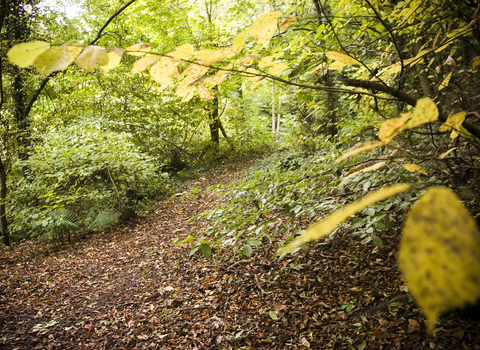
[(283, 195)]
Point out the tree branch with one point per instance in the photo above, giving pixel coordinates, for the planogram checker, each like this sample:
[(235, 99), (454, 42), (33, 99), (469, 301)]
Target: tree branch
[(404, 97), (51, 75)]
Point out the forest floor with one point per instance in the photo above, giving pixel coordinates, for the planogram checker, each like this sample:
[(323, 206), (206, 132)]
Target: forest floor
[(132, 288)]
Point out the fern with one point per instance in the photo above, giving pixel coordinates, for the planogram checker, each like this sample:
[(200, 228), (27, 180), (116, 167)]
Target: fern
[(104, 217)]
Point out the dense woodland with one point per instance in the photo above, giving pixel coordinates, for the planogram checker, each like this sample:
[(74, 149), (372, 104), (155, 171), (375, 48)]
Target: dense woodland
[(240, 174)]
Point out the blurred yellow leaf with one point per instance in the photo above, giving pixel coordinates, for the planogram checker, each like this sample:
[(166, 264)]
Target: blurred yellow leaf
[(92, 57), (397, 67), (163, 71), (324, 227), (455, 122), (113, 61), (144, 63), (444, 154), (257, 83), (391, 127), (183, 52), (277, 68), (213, 80), (24, 54), (189, 94), (195, 70), (265, 61), (359, 149), (264, 27), (415, 168), (439, 254), (237, 43), (425, 111), (202, 54), (287, 21), (119, 51), (341, 57), (321, 66), (364, 170), (219, 55), (56, 59), (138, 49), (249, 58), (445, 81), (205, 93), (252, 77), (475, 62)]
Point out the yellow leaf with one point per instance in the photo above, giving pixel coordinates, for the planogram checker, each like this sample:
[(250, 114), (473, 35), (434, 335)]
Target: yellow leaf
[(163, 71), (287, 21), (252, 77), (264, 27), (444, 154), (475, 62), (321, 66), (359, 149), (439, 254), (336, 65), (205, 93), (341, 57), (24, 54), (277, 68), (397, 67), (219, 55), (92, 57), (56, 59), (324, 227), (189, 94), (445, 81), (183, 52), (195, 70), (113, 61), (364, 170), (203, 54), (257, 83), (116, 49), (265, 62), (138, 49), (249, 58), (455, 122), (144, 63), (213, 80), (415, 168), (391, 127), (425, 111), (183, 88), (237, 43)]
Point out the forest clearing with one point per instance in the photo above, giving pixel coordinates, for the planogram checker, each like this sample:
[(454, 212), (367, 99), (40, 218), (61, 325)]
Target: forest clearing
[(240, 174)]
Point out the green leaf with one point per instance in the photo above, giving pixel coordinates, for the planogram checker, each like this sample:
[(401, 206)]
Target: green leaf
[(273, 315), (247, 250), (205, 250), (255, 243), (377, 241)]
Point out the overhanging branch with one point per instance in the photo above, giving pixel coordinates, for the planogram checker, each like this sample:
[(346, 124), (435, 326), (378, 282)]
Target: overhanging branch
[(404, 97)]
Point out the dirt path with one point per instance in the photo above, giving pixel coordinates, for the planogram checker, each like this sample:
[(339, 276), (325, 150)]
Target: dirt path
[(132, 288)]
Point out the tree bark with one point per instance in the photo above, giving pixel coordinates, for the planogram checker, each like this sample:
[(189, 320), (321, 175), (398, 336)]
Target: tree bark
[(3, 212)]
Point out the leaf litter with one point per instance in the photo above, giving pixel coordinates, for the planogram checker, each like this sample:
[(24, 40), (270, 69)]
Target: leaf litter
[(131, 287)]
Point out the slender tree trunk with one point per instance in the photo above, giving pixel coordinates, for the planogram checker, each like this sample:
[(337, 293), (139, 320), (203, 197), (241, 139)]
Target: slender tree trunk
[(3, 196), (214, 122), (273, 108)]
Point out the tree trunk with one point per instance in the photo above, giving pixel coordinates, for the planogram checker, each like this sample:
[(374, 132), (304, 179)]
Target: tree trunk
[(273, 108), (214, 122), (3, 196)]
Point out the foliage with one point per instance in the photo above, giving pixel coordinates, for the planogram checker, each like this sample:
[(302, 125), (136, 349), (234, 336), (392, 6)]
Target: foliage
[(84, 169)]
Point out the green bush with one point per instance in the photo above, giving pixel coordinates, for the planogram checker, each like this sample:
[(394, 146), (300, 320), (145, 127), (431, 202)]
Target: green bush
[(82, 172)]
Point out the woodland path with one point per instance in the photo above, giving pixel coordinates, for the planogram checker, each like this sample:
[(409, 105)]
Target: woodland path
[(132, 288)]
